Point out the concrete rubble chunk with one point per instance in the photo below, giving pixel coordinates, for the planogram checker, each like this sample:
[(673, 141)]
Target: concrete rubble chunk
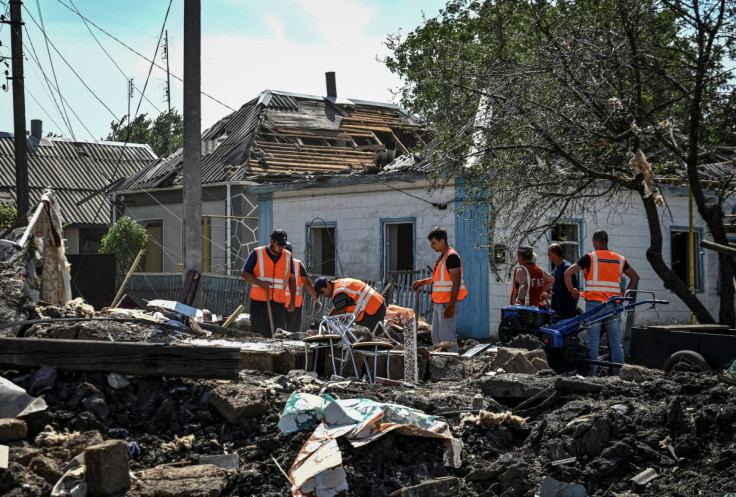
[(520, 386), (630, 372), (46, 468), (12, 429), (445, 368), (107, 468), (519, 364), (225, 461), (539, 364), (238, 401), (436, 488), (205, 480), (555, 488)]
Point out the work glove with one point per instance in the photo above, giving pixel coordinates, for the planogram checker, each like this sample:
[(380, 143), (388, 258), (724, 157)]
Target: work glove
[(317, 305)]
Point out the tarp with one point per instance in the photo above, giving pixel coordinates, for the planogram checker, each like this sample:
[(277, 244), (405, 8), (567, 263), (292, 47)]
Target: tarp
[(317, 470)]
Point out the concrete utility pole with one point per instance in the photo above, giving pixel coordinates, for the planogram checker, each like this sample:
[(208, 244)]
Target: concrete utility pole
[(19, 111), (130, 97), (192, 214)]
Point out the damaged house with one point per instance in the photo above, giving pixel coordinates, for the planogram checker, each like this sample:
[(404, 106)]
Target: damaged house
[(343, 179), (77, 171)]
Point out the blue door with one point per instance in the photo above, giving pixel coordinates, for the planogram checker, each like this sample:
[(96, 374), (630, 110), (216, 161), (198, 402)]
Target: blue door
[(471, 243)]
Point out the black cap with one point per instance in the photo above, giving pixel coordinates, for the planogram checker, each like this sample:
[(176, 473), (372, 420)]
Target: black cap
[(289, 247), (525, 250), (320, 283), (279, 236)]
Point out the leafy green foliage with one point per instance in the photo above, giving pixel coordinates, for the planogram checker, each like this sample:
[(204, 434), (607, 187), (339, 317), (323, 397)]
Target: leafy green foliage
[(7, 215), (153, 132), (124, 239), (541, 105)]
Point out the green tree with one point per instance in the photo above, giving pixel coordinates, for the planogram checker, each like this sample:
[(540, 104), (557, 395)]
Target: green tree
[(154, 132), (124, 239), (551, 104), (8, 215)]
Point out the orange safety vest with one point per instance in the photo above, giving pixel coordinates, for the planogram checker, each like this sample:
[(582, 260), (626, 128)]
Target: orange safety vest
[(535, 277), (603, 278), (299, 287), (442, 282), (275, 273), (366, 298)]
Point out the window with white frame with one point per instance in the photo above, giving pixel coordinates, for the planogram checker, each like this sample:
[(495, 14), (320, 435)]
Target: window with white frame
[(567, 235), (321, 250)]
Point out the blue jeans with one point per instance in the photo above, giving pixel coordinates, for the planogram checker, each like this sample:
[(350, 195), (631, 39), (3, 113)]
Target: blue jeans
[(613, 331)]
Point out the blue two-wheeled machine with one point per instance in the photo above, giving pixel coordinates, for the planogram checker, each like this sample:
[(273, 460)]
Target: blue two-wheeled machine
[(532, 327)]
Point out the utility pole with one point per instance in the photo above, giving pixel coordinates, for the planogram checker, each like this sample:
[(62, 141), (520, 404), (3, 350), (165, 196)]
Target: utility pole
[(168, 85), (130, 97), (192, 191), (19, 111)]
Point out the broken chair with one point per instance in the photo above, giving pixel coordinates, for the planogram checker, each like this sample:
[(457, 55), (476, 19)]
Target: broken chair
[(341, 324), (328, 336)]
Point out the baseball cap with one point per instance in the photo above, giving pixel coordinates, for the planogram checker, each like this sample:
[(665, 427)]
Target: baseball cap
[(320, 283), (525, 250), (279, 236)]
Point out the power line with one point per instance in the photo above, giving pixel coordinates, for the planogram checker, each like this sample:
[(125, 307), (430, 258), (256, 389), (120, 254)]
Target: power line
[(110, 57), (141, 55), (70, 66), (35, 59), (53, 70), (48, 82), (103, 199)]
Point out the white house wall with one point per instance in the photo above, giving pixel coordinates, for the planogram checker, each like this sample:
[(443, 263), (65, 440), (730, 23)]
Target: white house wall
[(628, 235), (357, 212)]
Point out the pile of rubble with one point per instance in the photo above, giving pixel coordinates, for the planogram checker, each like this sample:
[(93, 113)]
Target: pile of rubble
[(643, 434)]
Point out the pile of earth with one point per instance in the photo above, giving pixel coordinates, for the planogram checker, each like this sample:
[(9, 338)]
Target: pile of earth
[(682, 427)]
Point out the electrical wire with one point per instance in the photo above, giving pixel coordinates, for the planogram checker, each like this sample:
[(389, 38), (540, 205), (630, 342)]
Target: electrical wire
[(53, 69), (103, 199), (141, 55), (70, 66), (110, 57), (34, 58)]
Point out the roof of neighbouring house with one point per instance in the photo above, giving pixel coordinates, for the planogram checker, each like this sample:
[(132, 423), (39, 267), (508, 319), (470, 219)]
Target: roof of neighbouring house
[(75, 170), (289, 135)]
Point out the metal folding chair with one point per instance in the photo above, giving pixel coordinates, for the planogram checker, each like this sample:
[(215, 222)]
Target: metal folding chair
[(340, 324), (326, 337)]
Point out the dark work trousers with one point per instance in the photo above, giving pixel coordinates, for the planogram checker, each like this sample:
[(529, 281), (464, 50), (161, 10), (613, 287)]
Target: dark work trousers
[(370, 320), (259, 322), (294, 320)]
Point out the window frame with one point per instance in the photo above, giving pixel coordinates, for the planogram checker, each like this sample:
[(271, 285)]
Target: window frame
[(701, 232), (307, 246), (399, 220), (571, 221)]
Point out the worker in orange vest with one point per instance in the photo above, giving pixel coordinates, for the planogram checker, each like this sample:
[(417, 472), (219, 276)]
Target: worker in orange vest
[(531, 284), (271, 273), (448, 288), (603, 271), (294, 318), (353, 296)]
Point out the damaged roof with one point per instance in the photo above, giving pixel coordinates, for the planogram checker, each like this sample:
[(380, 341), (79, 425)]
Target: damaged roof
[(75, 170), (280, 134)]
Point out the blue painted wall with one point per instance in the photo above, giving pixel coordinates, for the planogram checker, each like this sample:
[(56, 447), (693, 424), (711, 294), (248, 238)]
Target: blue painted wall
[(470, 234), (265, 218)]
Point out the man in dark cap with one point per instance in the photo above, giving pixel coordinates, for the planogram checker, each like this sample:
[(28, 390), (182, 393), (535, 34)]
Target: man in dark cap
[(353, 296), (530, 284), (270, 271)]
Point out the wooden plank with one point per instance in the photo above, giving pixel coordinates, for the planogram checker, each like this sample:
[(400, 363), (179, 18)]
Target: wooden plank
[(144, 359)]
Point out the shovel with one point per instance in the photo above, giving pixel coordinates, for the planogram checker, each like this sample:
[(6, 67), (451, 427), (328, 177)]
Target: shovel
[(270, 316)]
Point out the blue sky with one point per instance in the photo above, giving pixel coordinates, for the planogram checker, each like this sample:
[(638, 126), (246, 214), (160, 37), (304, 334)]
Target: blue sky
[(247, 46)]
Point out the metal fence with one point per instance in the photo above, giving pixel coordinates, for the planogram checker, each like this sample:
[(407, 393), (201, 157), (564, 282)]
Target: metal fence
[(223, 294)]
